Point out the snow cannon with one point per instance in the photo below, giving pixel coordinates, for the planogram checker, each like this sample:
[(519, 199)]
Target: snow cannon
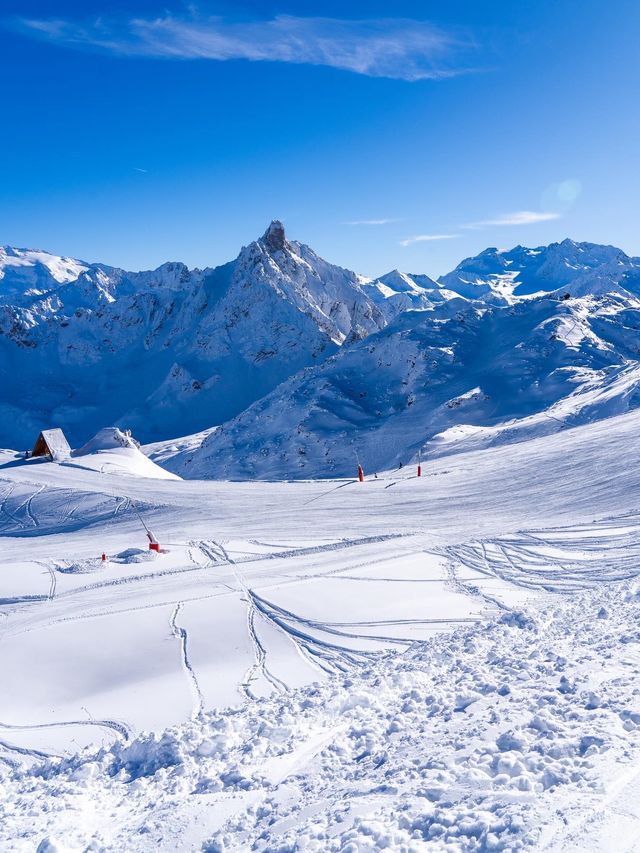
[(154, 545), (360, 473)]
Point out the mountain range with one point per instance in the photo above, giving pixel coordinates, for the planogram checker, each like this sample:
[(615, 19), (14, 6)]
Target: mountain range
[(304, 367), (170, 351)]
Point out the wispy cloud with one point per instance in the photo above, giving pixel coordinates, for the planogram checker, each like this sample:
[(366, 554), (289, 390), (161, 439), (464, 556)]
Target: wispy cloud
[(522, 217), (398, 48), (372, 221), (426, 238)]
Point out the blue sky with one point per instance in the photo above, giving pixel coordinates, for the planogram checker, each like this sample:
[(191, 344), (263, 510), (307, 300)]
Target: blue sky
[(404, 135)]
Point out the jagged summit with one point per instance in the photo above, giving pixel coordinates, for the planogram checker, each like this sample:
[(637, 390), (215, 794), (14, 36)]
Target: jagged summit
[(274, 236), (201, 344)]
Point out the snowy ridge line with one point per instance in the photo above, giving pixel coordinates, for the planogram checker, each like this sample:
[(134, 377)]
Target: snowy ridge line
[(538, 748), (318, 549), (303, 309)]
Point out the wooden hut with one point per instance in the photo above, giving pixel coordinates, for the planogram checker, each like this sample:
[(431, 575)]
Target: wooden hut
[(51, 442)]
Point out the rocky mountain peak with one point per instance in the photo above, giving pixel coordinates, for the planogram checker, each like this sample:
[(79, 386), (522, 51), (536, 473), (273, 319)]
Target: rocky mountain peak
[(274, 236)]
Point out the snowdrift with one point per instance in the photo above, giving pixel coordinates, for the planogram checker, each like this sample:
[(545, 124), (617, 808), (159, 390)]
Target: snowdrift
[(112, 451)]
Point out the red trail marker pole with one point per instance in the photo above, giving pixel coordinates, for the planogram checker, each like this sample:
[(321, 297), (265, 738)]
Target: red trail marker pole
[(360, 473)]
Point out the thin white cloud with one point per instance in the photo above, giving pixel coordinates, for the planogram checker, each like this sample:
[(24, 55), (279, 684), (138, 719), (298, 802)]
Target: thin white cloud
[(398, 48), (426, 238), (371, 221), (522, 217)]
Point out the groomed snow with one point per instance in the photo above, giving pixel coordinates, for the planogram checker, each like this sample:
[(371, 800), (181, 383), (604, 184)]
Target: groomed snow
[(439, 663)]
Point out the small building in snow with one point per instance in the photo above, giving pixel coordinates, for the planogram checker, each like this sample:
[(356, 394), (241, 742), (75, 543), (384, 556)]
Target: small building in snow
[(51, 442)]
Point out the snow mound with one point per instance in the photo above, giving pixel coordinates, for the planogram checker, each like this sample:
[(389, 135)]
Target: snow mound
[(112, 451), (82, 567), (107, 438), (133, 555)]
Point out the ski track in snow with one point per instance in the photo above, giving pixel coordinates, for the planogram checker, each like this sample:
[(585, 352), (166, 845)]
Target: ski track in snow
[(53, 581), (182, 636), (562, 561), (470, 686), (259, 667), (366, 758)]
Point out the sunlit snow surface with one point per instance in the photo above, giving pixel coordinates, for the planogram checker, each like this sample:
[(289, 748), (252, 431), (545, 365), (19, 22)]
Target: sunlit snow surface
[(445, 662)]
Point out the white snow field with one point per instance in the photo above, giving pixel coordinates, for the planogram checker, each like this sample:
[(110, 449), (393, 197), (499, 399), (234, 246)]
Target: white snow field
[(448, 662)]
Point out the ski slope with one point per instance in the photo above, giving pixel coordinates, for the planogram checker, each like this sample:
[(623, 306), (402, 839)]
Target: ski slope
[(445, 662)]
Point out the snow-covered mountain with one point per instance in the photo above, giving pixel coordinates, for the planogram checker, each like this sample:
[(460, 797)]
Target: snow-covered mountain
[(397, 291), (509, 343), (578, 268), (466, 372), (169, 351), (26, 274)]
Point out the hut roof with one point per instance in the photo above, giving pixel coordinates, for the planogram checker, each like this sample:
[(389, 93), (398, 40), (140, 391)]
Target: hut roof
[(53, 443)]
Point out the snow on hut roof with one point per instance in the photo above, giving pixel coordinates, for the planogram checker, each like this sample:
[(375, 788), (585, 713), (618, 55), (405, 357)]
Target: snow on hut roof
[(53, 442)]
